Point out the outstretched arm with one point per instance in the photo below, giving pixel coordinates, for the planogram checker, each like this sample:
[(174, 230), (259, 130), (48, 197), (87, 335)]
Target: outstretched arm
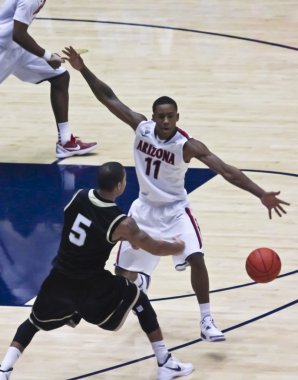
[(194, 148), (129, 230), (103, 92)]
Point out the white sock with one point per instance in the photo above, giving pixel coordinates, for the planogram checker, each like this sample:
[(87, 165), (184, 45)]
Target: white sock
[(205, 309), (10, 358), (63, 132), (160, 350)]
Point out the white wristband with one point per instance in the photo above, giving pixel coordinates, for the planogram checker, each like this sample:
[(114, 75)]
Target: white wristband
[(47, 55)]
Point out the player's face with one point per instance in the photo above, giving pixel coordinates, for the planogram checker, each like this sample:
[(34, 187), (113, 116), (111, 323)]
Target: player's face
[(165, 117)]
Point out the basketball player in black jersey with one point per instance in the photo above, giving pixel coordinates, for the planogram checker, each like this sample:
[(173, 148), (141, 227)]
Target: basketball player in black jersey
[(79, 286)]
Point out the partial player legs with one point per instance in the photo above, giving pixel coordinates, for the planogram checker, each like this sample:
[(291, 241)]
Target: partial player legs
[(140, 279), (168, 367), (200, 285), (67, 144), (199, 277), (21, 340), (60, 97)]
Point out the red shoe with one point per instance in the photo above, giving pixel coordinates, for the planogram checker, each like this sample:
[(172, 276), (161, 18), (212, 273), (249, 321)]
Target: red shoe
[(74, 147)]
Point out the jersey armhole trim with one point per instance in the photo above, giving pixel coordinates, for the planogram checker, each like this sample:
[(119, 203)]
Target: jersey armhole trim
[(69, 203), (113, 226)]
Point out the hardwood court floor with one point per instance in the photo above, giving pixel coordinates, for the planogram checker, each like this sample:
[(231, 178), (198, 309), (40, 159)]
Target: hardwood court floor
[(237, 95)]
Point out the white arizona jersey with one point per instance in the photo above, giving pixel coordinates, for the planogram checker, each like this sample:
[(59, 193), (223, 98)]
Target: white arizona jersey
[(20, 10), (159, 165)]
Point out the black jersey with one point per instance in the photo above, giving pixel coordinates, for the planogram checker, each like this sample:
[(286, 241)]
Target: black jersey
[(86, 244)]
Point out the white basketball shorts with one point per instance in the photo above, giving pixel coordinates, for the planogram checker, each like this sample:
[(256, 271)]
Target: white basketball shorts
[(163, 223), (25, 66)]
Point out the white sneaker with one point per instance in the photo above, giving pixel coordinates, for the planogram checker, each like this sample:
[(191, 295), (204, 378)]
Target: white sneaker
[(209, 331), (172, 368), (5, 375)]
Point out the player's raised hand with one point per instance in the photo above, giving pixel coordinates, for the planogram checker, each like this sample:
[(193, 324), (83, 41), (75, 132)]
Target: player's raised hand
[(270, 201), (73, 58)]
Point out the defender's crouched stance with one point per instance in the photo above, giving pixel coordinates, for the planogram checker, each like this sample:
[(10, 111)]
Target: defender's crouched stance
[(78, 286)]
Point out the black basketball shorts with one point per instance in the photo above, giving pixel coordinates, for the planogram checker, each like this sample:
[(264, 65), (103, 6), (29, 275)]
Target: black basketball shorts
[(104, 300)]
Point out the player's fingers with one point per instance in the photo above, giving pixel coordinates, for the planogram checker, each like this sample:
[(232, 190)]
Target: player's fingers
[(66, 51), (73, 51), (283, 202), (270, 213), (69, 50), (282, 209), (277, 211)]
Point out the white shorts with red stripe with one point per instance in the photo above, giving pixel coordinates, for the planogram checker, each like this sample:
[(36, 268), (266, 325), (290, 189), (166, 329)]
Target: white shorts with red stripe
[(163, 222)]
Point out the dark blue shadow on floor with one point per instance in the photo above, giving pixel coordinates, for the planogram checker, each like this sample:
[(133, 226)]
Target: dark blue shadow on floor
[(32, 199)]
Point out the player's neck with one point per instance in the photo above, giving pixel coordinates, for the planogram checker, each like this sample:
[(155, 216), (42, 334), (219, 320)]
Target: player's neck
[(108, 196), (165, 138)]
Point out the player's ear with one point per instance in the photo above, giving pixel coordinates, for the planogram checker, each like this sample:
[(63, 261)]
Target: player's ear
[(177, 116)]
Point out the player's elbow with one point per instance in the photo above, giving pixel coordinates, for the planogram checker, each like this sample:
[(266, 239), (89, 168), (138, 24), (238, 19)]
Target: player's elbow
[(228, 176)]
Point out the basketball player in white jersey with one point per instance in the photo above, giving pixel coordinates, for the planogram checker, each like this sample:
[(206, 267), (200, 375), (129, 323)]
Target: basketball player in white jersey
[(162, 153), (21, 56)]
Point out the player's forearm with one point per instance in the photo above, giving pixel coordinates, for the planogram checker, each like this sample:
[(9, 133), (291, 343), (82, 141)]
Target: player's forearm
[(159, 247), (101, 90), (239, 179), (165, 248), (28, 43)]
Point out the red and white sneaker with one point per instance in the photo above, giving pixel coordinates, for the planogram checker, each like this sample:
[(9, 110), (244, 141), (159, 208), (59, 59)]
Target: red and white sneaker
[(74, 147)]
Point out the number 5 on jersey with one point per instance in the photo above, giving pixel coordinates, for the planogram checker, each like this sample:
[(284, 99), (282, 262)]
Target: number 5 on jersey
[(78, 233)]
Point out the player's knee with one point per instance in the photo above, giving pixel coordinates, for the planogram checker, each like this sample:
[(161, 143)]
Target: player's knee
[(146, 314), (196, 261), (60, 81)]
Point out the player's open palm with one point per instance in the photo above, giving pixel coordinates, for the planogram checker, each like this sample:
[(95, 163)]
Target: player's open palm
[(73, 58), (270, 201)]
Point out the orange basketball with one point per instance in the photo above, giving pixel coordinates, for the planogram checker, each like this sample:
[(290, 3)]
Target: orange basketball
[(263, 265)]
